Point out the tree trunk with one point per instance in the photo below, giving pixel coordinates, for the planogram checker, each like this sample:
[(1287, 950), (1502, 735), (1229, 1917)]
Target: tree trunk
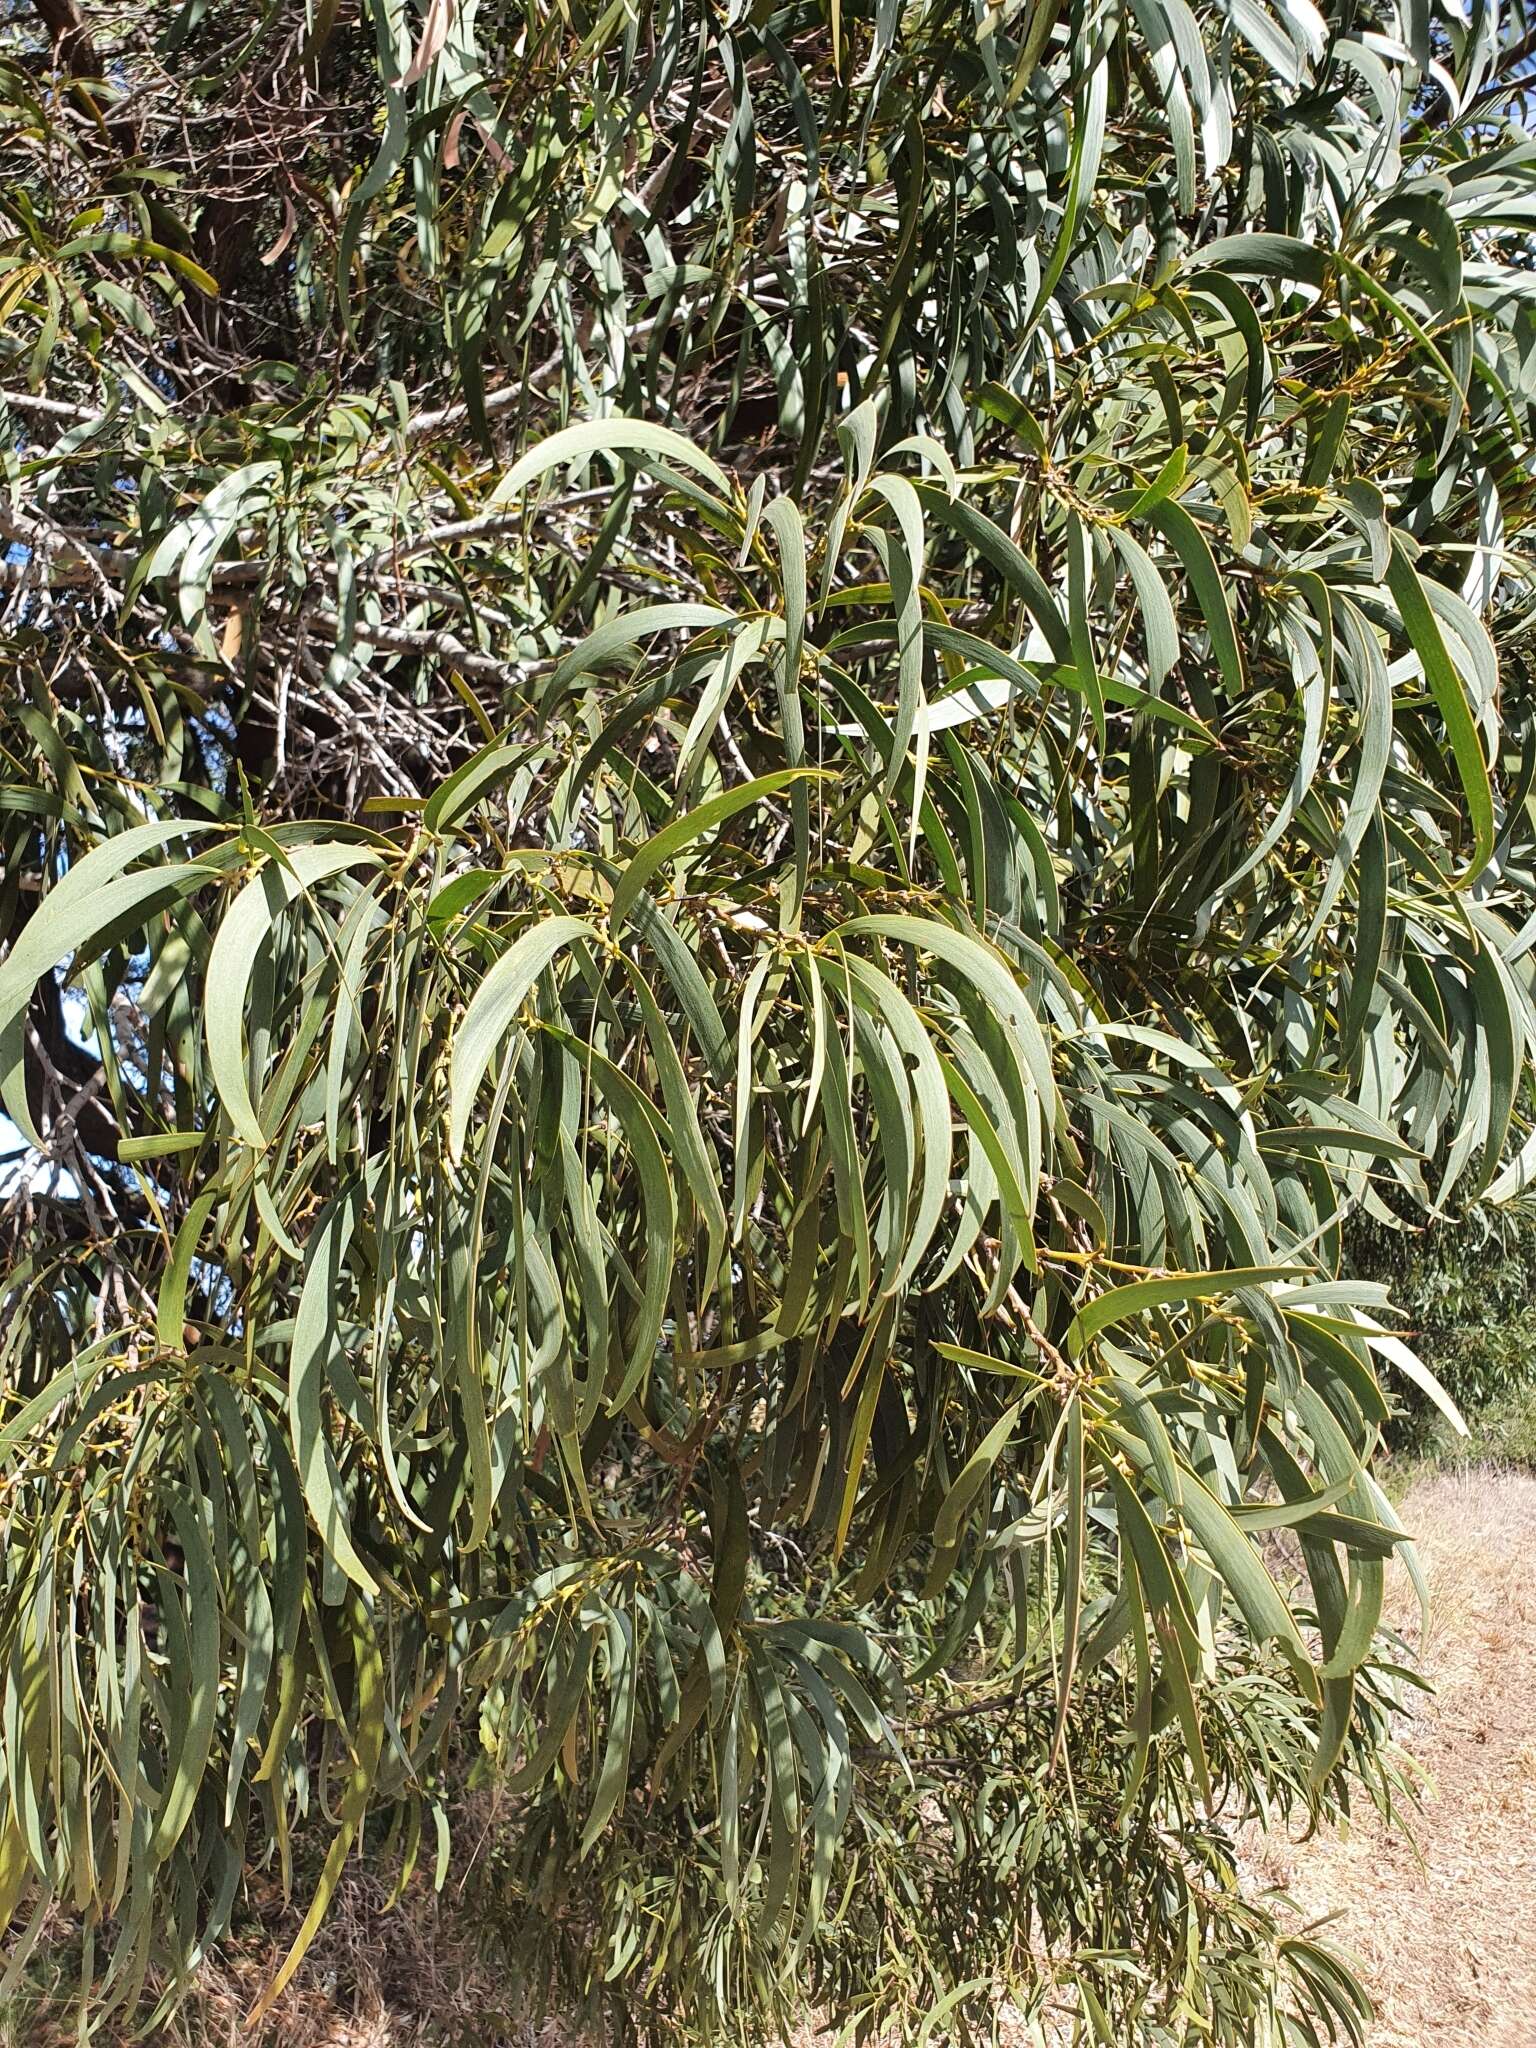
[(70, 35)]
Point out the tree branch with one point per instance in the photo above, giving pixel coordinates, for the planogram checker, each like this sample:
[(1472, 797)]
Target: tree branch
[(70, 37)]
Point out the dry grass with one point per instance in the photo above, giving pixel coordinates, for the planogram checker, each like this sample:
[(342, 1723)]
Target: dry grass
[(1446, 1932), (406, 1978)]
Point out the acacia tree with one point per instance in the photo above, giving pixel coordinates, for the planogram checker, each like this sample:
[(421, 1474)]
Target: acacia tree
[(755, 758)]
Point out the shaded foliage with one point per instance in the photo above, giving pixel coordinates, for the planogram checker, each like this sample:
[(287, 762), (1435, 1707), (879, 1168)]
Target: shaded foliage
[(1468, 1293)]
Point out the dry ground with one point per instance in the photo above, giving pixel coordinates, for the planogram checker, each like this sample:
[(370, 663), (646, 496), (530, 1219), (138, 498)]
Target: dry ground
[(374, 1979), (1446, 1937)]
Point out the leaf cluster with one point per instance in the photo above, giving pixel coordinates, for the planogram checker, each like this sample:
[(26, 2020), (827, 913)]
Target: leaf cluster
[(701, 990)]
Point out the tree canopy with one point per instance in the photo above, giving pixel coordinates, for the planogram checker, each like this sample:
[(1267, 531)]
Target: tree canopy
[(755, 758)]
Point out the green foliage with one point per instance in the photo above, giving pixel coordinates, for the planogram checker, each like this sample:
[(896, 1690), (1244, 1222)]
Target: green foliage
[(716, 970), (1502, 1433), (986, 1867), (1468, 1290)]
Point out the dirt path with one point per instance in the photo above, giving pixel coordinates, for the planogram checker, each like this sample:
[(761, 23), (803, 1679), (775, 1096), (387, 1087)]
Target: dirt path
[(1448, 1946)]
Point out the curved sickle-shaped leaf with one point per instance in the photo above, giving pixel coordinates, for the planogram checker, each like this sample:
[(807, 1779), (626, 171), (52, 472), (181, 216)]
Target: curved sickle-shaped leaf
[(242, 933), (608, 437), (493, 1009)]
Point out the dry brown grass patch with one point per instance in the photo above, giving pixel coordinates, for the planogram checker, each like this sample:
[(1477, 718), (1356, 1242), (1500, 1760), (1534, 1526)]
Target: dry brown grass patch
[(1444, 1930)]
